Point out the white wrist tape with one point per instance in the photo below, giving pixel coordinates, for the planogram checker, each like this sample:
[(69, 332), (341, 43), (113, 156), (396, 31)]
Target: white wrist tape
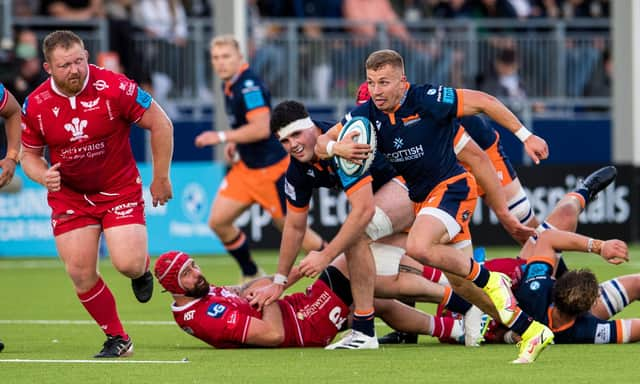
[(523, 133), (330, 145), (222, 136), (280, 279), (590, 245)]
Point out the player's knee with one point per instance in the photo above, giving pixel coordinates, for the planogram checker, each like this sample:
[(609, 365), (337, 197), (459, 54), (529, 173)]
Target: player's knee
[(420, 251)]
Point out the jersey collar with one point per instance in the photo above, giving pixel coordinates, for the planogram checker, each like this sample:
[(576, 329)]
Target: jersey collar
[(232, 80), (55, 89)]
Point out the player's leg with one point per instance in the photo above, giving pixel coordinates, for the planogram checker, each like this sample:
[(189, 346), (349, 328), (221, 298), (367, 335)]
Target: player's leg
[(224, 212), (615, 295), (78, 249), (362, 279), (407, 319)]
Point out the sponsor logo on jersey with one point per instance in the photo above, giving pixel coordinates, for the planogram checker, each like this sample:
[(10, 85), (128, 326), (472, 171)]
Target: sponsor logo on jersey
[(534, 286), (216, 310), (55, 111), (76, 127), (314, 307), (408, 154), (311, 173), (398, 143), (100, 85), (189, 315), (90, 105), (431, 91)]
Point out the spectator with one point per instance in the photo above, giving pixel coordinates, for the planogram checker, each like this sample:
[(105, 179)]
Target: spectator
[(28, 72), (504, 81), (164, 22), (121, 29), (72, 9), (599, 85), (423, 60)]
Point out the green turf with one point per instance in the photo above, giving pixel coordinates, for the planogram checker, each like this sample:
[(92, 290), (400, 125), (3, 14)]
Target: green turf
[(39, 290)]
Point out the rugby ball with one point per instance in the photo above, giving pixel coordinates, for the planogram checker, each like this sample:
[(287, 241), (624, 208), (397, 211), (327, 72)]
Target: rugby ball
[(366, 135)]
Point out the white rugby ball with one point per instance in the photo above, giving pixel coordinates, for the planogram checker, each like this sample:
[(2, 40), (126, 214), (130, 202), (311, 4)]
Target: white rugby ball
[(366, 135)]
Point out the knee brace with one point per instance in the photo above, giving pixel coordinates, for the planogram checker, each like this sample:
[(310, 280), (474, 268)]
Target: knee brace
[(387, 258), (379, 226)]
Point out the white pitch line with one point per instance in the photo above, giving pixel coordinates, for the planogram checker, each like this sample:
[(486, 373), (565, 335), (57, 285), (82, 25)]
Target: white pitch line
[(82, 322), (95, 361), (91, 322)]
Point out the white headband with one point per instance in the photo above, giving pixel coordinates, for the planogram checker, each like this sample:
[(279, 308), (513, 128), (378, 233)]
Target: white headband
[(295, 126)]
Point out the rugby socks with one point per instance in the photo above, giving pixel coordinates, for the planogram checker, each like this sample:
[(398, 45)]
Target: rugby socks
[(101, 305), (239, 249), (521, 323), (445, 327), (363, 322), (582, 195), (478, 274), (453, 302), (435, 275)]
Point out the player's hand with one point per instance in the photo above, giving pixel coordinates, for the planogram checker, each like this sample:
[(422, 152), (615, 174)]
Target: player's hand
[(536, 148), (51, 179), (266, 295), (8, 170), (230, 154), (520, 232), (161, 191), (207, 138), (314, 263), (615, 251), (351, 150)]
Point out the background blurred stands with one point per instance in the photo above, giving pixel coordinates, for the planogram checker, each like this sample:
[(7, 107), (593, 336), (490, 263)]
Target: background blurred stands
[(25, 72)]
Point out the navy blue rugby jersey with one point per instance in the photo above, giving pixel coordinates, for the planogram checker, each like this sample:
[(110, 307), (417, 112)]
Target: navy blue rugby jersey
[(245, 94), (479, 129), (534, 296), (417, 139), (302, 178)]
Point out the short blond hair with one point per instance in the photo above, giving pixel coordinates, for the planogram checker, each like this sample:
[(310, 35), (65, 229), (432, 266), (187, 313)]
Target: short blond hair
[(379, 59), (62, 39), (225, 40)]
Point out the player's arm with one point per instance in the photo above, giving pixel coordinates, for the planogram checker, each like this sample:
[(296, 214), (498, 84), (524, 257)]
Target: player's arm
[(485, 174), (11, 114), (613, 251), (327, 146), (474, 102), (360, 197), (156, 121), (256, 129), (268, 331), (295, 226)]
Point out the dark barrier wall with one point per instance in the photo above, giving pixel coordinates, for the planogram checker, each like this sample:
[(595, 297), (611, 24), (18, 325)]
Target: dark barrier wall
[(613, 215)]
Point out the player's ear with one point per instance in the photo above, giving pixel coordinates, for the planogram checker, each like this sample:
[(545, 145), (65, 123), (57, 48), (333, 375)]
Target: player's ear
[(47, 67), (86, 54)]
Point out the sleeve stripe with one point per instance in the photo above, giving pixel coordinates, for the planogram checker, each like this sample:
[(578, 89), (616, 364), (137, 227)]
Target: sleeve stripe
[(297, 209), (257, 111), (460, 106), (359, 184)]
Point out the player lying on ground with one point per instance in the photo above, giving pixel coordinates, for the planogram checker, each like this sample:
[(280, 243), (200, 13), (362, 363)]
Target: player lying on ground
[(223, 317)]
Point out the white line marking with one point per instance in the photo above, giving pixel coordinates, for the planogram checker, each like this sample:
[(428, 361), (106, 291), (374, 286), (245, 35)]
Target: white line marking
[(82, 322), (91, 322), (95, 361)]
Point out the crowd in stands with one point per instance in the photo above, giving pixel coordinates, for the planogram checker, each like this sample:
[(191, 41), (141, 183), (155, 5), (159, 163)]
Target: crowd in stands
[(330, 57)]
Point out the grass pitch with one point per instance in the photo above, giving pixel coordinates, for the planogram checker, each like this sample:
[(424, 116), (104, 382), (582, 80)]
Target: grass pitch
[(49, 338)]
